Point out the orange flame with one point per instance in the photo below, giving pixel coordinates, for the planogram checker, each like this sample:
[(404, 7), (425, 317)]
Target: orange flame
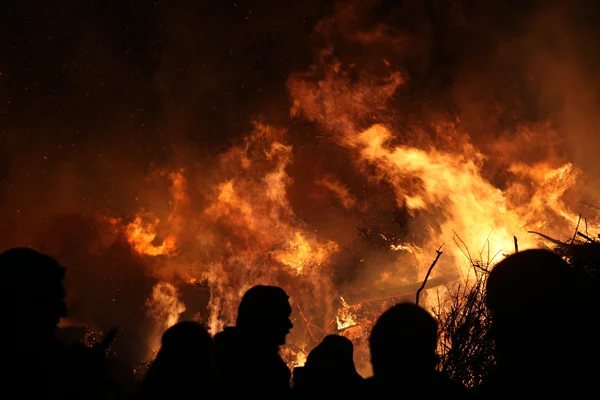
[(164, 307), (245, 230)]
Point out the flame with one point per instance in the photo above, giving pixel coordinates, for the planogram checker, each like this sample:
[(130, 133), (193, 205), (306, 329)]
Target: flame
[(249, 233), (263, 215), (164, 307), (235, 225), (299, 254), (345, 317), (475, 210), (141, 234), (340, 190), (293, 357), (411, 248)]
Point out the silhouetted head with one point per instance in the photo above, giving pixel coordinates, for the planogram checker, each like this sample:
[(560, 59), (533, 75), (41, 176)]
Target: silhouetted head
[(264, 313), (183, 364), (32, 293), (187, 342), (334, 353), (404, 339), (329, 369), (531, 297)]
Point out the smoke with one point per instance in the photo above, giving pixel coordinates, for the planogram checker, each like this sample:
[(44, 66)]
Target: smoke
[(564, 67)]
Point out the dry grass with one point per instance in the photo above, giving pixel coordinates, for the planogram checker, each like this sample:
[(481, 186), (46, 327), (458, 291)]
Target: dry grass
[(466, 348)]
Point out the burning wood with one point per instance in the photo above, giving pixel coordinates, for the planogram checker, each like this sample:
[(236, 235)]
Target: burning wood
[(397, 291)]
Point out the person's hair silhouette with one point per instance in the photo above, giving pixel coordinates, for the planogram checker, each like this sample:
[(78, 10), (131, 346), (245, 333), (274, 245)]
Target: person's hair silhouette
[(403, 340), (532, 299), (184, 364), (37, 363), (32, 295), (264, 313), (329, 370), (403, 345), (527, 293), (248, 354)]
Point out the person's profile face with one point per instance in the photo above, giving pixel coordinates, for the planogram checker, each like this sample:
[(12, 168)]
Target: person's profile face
[(283, 325)]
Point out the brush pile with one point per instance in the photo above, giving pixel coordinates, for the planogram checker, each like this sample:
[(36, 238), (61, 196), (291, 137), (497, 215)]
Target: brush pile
[(466, 349)]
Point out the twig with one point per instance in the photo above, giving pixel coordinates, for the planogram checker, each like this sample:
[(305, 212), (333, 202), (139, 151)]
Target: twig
[(307, 325), (398, 292), (590, 206), (332, 322), (586, 237), (468, 253), (486, 243), (493, 258), (294, 347), (576, 229), (318, 328), (557, 242), (516, 244), (439, 254)]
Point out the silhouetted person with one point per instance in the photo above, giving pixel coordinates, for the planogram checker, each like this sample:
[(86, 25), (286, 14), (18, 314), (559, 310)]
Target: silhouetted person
[(32, 301), (35, 363), (184, 365), (329, 371), (403, 345), (248, 354), (537, 327)]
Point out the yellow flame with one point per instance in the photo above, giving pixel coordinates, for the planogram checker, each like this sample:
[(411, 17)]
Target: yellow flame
[(345, 317), (141, 235), (164, 307), (293, 357)]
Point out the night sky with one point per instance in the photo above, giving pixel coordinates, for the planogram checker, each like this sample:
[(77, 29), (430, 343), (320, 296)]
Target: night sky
[(128, 80), (90, 89), (97, 68)]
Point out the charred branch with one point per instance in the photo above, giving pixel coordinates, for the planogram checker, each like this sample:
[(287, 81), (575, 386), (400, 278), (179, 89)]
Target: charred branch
[(439, 254), (398, 291), (593, 207), (586, 237), (307, 325), (548, 238)]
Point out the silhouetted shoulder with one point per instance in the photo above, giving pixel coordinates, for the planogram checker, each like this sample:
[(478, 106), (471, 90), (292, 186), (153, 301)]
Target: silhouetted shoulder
[(227, 347)]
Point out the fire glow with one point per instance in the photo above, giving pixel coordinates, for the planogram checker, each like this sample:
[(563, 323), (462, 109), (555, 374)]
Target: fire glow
[(281, 205), (268, 243)]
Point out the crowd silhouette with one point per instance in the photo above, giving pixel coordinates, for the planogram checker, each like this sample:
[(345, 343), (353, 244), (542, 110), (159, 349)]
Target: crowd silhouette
[(541, 323)]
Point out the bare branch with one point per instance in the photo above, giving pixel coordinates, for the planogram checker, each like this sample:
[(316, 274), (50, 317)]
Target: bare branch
[(439, 254), (307, 325), (576, 230)]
